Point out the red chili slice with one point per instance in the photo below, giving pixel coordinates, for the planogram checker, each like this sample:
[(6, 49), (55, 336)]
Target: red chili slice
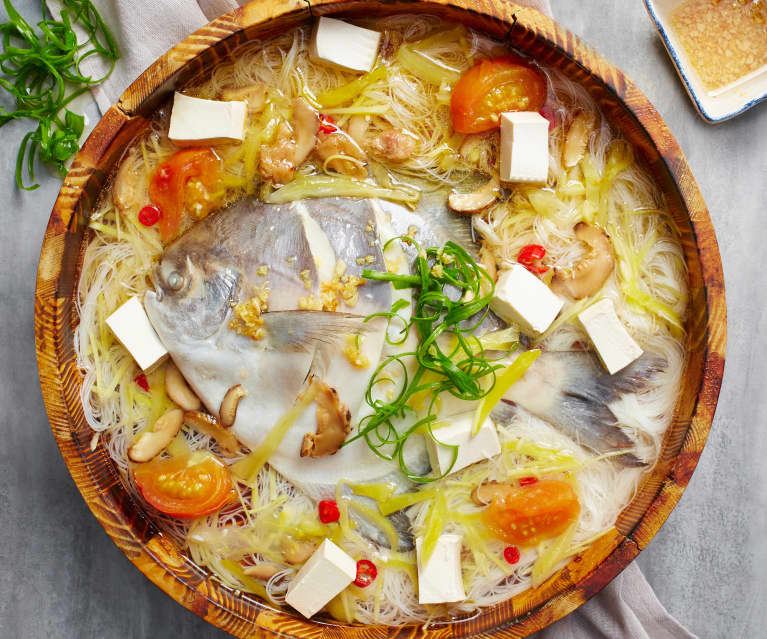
[(366, 573), (511, 554), (142, 381), (149, 215), (328, 510), (548, 113), (528, 481), (328, 124), (530, 257)]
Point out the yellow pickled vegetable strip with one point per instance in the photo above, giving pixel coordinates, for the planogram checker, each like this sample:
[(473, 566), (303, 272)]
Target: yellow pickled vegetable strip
[(435, 523), (179, 446), (426, 68), (405, 500), (503, 383), (252, 585), (248, 468), (348, 92), (312, 186), (379, 492), (554, 551)]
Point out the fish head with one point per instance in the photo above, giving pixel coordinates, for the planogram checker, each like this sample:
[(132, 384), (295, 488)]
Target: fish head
[(193, 293)]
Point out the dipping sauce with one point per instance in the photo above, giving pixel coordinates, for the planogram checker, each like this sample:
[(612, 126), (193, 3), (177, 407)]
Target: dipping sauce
[(724, 39)]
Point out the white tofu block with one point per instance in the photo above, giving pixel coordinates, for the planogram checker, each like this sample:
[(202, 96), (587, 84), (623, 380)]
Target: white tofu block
[(521, 298), (325, 574), (130, 325), (524, 147), (440, 581), (483, 445), (197, 121), (344, 45), (615, 347)]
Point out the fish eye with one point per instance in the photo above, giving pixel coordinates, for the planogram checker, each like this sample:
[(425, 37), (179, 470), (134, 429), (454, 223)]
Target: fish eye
[(175, 281)]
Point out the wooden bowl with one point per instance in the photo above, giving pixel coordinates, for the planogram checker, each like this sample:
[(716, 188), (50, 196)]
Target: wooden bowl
[(125, 520)]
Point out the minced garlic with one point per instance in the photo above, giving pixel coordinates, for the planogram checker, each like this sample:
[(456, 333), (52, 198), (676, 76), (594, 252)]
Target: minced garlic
[(262, 270), (353, 351), (306, 278), (247, 318), (341, 289)]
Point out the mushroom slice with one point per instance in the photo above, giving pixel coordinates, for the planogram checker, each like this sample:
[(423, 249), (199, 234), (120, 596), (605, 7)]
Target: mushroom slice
[(577, 138), (342, 154), (297, 551), (228, 411), (261, 571), (358, 127), (124, 191), (178, 390), (483, 494), (333, 424), (207, 424), (152, 442), (588, 275), (277, 161), (253, 94), (394, 145), (477, 200), (306, 123)]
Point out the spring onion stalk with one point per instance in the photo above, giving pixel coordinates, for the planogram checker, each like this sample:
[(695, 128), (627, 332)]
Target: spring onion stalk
[(503, 383), (41, 70), (313, 186)]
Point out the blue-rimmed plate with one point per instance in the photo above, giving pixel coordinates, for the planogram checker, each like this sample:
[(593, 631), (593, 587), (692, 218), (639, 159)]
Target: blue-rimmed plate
[(713, 106)]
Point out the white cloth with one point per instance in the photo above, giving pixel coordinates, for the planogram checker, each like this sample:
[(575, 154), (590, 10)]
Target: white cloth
[(627, 608)]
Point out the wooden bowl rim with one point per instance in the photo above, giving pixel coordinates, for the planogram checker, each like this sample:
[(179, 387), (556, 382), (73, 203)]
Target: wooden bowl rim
[(155, 557)]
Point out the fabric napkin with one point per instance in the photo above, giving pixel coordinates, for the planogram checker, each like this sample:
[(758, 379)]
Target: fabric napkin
[(145, 29)]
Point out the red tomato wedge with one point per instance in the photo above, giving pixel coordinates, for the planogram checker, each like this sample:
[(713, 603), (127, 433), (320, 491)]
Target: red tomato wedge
[(168, 185), (528, 515), (187, 487), (492, 87)]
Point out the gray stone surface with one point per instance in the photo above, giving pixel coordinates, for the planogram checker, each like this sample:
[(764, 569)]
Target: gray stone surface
[(62, 577)]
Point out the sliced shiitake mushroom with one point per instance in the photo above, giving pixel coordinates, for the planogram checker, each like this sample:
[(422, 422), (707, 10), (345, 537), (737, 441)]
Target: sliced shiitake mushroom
[(228, 411), (333, 423), (297, 551), (306, 124), (124, 188), (261, 571), (577, 138), (483, 494), (253, 94), (207, 424), (178, 390), (588, 275), (152, 442), (475, 201)]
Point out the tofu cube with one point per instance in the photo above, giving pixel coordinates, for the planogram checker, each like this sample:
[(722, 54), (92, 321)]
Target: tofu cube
[(521, 298), (196, 121), (484, 445), (524, 147), (130, 325), (324, 575), (344, 45), (439, 578), (615, 347)]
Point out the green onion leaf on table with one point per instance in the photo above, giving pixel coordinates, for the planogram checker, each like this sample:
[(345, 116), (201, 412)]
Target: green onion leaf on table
[(41, 71)]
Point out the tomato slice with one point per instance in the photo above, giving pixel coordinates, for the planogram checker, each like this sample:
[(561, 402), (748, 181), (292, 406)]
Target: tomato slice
[(492, 87), (527, 515), (186, 180), (187, 486)]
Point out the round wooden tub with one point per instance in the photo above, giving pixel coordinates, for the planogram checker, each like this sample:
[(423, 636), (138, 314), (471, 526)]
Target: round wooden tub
[(125, 521)]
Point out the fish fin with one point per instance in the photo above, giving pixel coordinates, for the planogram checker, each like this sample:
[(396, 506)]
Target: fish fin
[(302, 330)]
